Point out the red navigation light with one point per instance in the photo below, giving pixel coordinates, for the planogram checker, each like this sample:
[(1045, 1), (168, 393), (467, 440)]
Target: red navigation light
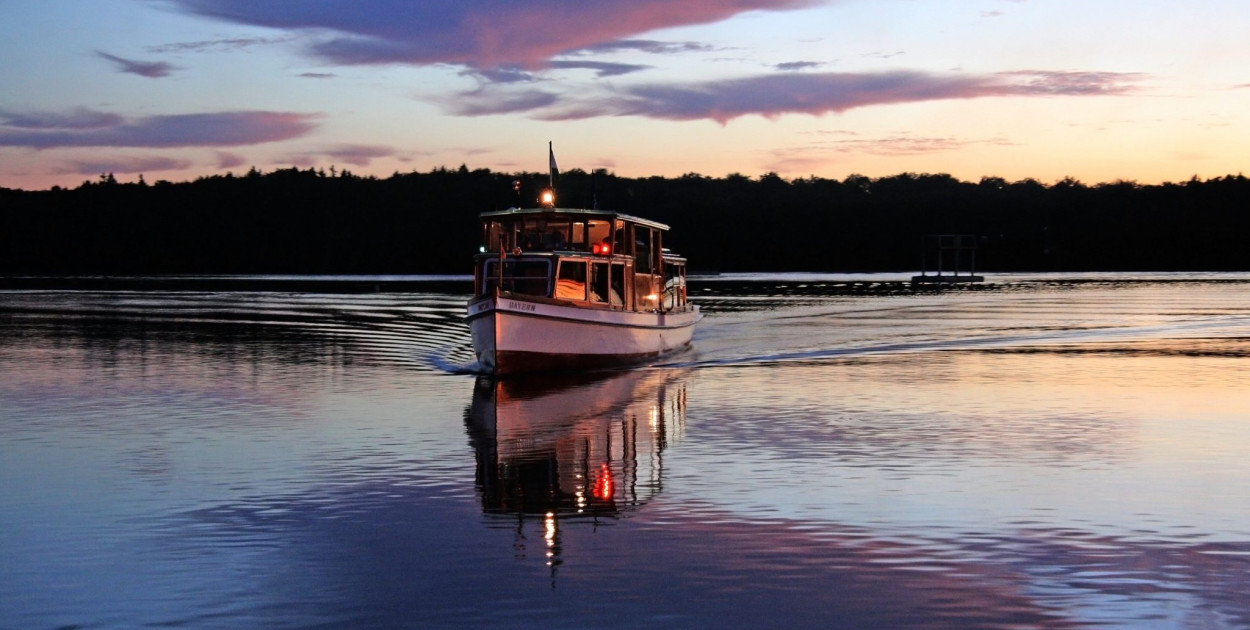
[(601, 249)]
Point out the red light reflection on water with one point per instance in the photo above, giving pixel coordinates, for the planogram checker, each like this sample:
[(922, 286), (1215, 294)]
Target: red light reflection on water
[(603, 483)]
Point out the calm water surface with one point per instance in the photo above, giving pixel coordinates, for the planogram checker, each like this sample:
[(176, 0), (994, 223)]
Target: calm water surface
[(1041, 452)]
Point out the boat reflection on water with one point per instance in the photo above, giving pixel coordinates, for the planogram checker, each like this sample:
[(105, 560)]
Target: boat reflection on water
[(553, 447)]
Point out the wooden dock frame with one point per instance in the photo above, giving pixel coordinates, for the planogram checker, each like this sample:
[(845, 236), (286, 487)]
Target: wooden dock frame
[(964, 247)]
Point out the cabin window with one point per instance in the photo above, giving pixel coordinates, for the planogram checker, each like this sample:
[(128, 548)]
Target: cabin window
[(529, 277), (571, 280), (607, 283), (493, 235), (642, 249), (599, 282), (598, 232), (618, 285), (579, 234), (618, 239), (545, 234), (674, 286)]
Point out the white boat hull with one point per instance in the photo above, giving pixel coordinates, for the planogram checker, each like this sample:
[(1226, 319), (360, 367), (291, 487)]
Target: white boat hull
[(513, 335)]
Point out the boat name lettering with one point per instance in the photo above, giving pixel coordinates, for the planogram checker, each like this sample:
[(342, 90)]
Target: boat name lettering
[(520, 306)]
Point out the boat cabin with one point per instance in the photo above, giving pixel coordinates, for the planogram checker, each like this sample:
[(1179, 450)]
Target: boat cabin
[(590, 258)]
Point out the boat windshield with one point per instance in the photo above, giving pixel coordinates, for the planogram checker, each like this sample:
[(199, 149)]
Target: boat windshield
[(554, 233), (528, 276)]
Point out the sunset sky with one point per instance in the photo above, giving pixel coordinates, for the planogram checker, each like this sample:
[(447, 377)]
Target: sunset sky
[(1149, 91)]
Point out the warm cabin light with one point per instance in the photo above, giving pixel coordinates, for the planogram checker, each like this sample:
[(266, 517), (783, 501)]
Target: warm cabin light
[(548, 198), (601, 249), (653, 297)]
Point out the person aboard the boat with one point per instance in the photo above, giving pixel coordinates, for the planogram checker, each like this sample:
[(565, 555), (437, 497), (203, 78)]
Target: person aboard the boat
[(554, 240), (531, 241)]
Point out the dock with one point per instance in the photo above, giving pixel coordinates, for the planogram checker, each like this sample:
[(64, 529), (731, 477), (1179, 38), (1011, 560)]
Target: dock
[(962, 248)]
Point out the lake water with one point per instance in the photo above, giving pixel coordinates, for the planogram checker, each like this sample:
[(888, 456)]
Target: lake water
[(1041, 451)]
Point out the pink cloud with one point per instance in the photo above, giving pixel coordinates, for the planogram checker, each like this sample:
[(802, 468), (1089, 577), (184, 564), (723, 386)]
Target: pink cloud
[(481, 34), (181, 130), (230, 160)]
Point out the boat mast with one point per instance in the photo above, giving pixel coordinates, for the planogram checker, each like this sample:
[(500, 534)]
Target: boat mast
[(551, 168)]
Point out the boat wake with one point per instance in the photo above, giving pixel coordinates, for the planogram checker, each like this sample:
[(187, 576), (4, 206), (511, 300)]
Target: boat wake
[(806, 335), (425, 331), (422, 331)]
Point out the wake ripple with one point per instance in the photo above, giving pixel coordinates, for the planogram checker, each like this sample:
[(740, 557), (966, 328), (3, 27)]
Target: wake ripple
[(1171, 320), (422, 331)]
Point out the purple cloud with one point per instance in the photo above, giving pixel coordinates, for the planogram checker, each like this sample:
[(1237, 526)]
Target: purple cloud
[(501, 75), (645, 45), (816, 94), (355, 154), (185, 130), (485, 103), (481, 34), (358, 154), (1038, 82), (80, 118), (601, 68), (127, 165), (909, 145), (151, 70), (791, 66), (238, 43), (882, 55), (835, 143)]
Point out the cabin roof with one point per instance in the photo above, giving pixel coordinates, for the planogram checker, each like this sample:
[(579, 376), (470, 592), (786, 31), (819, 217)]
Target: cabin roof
[(571, 212)]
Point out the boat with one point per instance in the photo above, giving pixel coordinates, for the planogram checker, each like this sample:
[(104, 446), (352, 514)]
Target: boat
[(559, 289)]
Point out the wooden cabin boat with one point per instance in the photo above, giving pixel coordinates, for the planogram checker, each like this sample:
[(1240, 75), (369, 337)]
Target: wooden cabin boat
[(568, 289)]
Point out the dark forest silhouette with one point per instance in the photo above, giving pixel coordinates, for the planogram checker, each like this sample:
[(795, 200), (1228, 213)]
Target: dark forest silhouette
[(305, 221)]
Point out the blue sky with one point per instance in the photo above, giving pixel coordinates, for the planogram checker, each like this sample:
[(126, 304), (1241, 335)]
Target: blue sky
[(174, 89)]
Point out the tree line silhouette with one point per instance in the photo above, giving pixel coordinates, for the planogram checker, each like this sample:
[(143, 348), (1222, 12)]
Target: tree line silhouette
[(310, 222)]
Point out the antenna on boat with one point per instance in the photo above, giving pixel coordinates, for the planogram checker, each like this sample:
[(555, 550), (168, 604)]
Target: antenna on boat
[(594, 189)]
